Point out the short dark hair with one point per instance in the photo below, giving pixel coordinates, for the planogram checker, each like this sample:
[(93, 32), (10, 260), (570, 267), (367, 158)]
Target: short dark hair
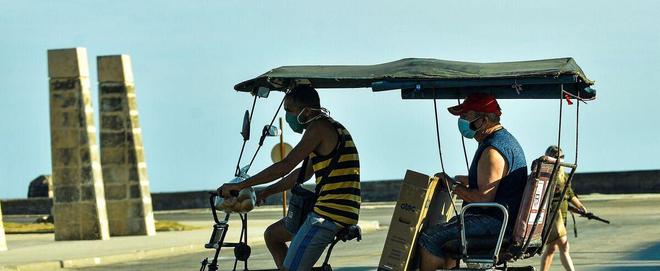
[(492, 117), (305, 95)]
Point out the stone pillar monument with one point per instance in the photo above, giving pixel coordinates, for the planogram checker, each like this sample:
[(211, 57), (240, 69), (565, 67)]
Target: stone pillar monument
[(79, 199), (122, 154), (3, 242)]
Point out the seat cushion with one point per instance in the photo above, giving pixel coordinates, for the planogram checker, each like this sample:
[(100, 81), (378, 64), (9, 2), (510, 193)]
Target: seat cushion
[(477, 247)]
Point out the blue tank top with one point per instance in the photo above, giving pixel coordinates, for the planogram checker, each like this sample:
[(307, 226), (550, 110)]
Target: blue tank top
[(510, 189)]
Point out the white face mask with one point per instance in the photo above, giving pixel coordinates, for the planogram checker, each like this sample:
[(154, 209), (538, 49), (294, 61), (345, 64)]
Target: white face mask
[(323, 113)]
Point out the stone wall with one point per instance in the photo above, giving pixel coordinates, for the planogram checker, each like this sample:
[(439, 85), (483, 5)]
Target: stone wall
[(629, 182), (194, 200), (623, 182), (40, 206), (626, 182), (180, 200)]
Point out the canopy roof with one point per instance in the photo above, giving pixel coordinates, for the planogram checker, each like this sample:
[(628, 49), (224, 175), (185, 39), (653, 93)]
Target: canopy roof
[(424, 78)]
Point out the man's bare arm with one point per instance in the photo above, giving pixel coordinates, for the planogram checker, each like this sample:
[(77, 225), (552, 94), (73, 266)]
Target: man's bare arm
[(491, 169), (462, 179), (288, 182), (310, 140)]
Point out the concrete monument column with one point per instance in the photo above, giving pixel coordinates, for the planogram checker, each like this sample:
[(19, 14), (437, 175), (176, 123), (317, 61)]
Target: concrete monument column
[(3, 242), (122, 154), (79, 199)]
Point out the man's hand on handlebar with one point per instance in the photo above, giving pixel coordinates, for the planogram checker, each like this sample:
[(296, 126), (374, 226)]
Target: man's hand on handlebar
[(262, 196), (226, 190), (446, 180)]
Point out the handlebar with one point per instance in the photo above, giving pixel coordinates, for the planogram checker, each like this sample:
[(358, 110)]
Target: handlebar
[(553, 160), (212, 204), (233, 193)]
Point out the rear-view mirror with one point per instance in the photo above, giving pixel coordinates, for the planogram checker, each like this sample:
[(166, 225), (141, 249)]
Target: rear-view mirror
[(245, 132), (271, 130), (263, 92)]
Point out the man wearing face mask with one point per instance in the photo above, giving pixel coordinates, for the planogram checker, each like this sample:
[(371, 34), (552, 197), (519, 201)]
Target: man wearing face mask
[(338, 194), (498, 173)]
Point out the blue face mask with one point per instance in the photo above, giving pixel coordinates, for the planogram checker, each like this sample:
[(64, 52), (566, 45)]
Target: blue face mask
[(465, 129), (298, 125), (292, 120)]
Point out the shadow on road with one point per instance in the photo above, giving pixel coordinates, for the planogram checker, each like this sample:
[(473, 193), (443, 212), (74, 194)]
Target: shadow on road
[(651, 253), (649, 257), (355, 268), (631, 268)]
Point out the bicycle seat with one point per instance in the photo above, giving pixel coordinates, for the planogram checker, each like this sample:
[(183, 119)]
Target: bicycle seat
[(349, 233)]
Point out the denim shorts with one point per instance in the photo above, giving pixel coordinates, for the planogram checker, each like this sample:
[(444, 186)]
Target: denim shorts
[(315, 234), (434, 237)]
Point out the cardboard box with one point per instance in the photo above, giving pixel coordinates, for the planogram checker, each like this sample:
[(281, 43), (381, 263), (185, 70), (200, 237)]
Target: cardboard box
[(440, 210), (415, 198)]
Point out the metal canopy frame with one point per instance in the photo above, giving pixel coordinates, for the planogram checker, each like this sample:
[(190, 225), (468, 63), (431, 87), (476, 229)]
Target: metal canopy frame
[(525, 88), (436, 79)]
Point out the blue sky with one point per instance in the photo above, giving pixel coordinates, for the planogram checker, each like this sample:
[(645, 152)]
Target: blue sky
[(187, 55)]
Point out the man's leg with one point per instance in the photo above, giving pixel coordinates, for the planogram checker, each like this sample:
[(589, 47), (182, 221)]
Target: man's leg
[(428, 261), (309, 243), (431, 241), (276, 237), (434, 238)]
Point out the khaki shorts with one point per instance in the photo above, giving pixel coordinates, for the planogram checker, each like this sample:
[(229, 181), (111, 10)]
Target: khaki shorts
[(558, 230)]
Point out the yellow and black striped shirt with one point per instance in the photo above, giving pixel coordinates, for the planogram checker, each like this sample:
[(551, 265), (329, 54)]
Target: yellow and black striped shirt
[(339, 194)]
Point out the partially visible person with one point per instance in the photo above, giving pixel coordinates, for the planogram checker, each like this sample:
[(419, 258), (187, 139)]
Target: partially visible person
[(557, 239), (498, 173)]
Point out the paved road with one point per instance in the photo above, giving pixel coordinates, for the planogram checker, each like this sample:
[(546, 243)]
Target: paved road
[(631, 242)]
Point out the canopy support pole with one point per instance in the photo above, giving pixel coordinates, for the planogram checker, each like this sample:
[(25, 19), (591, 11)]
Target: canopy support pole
[(467, 165), (240, 156), (442, 164)]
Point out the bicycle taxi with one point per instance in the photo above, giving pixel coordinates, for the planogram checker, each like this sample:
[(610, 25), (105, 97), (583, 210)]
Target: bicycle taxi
[(560, 79)]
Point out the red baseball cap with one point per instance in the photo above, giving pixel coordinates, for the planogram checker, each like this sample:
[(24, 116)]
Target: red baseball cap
[(483, 103)]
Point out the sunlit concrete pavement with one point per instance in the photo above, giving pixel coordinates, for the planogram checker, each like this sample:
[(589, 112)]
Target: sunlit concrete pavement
[(41, 252), (631, 242)]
